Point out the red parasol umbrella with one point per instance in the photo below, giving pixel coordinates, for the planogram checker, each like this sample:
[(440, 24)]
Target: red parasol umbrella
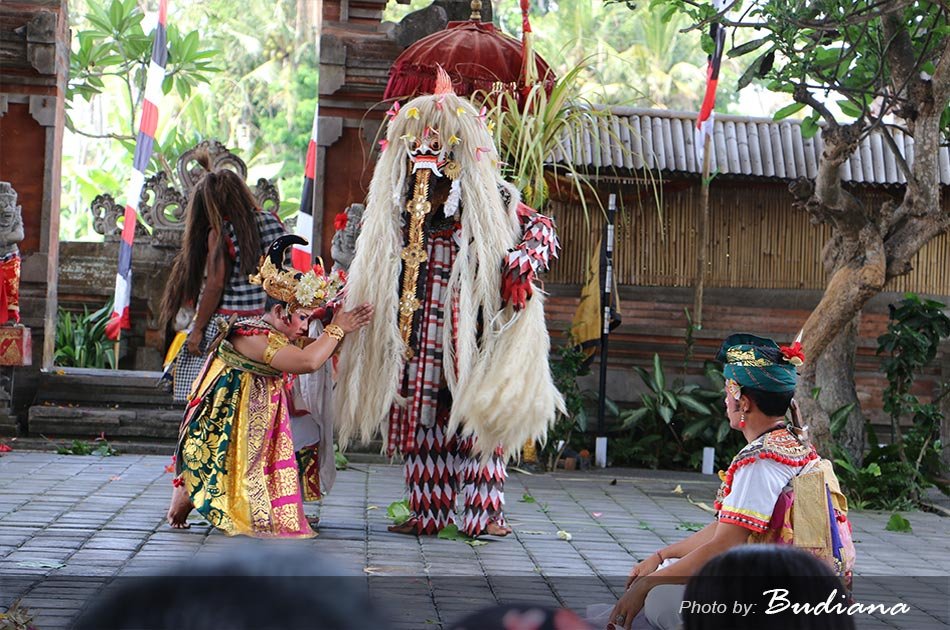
[(476, 55)]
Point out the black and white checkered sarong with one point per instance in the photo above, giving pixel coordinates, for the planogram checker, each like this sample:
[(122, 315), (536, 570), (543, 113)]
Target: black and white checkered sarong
[(189, 366)]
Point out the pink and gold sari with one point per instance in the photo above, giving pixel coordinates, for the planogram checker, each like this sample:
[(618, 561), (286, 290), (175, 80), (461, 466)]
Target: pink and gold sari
[(235, 450)]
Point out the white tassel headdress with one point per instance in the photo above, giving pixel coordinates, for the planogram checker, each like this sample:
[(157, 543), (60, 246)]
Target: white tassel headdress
[(502, 387)]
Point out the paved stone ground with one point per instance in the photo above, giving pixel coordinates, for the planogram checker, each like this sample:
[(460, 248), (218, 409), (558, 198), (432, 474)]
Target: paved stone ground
[(93, 519)]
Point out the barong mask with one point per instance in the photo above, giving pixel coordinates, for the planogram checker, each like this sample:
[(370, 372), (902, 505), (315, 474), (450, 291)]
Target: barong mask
[(312, 289), (477, 354), (427, 152), (430, 151)]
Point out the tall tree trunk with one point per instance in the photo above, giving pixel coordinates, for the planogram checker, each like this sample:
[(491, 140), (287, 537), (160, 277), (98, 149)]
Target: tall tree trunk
[(813, 414), (869, 246), (835, 377), (857, 265)]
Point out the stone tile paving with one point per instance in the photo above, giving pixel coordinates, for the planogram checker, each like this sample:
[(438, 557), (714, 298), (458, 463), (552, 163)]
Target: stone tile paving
[(70, 524)]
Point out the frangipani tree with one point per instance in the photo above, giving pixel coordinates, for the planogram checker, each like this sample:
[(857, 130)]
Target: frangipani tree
[(856, 68)]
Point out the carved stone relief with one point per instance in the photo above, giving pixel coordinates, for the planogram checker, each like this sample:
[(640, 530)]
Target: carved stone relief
[(343, 245), (163, 205)]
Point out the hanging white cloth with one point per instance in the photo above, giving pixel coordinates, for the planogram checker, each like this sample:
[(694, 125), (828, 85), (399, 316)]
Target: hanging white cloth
[(313, 420)]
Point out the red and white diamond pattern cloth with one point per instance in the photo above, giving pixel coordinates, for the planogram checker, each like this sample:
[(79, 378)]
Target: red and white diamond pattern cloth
[(484, 492), (431, 480), (434, 472), (533, 255)]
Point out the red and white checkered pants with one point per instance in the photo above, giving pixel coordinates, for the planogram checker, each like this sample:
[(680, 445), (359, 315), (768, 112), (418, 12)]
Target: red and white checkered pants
[(439, 467)]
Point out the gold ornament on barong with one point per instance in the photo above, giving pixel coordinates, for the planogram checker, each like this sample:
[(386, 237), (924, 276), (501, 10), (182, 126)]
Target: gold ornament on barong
[(452, 169), (413, 255), (746, 358)]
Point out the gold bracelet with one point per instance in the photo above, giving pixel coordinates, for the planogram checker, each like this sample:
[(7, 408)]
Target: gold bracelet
[(334, 332)]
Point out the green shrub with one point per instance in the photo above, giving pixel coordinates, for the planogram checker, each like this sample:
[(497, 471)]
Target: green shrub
[(567, 365), (81, 339), (675, 421), (893, 476)]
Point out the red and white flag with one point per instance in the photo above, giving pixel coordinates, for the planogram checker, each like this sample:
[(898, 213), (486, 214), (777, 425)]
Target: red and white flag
[(302, 255), (707, 116), (143, 152)]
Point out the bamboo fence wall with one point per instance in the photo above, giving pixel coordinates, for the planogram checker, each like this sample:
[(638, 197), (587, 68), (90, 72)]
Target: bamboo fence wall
[(756, 240)]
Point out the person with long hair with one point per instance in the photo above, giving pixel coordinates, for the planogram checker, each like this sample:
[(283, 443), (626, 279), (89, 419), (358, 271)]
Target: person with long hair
[(225, 234), (235, 461), (777, 474)]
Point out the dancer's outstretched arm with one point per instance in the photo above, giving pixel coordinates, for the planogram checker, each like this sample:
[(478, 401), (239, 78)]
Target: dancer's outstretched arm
[(294, 360)]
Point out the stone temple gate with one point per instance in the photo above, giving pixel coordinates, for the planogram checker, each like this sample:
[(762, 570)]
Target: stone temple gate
[(34, 57), (357, 50)]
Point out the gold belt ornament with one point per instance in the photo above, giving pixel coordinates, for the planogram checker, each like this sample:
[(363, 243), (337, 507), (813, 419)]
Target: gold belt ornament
[(413, 255)]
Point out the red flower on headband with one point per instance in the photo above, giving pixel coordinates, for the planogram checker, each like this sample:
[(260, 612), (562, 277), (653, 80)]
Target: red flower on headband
[(340, 221), (794, 353)]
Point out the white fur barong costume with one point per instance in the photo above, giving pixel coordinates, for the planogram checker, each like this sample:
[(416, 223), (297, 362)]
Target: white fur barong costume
[(455, 362)]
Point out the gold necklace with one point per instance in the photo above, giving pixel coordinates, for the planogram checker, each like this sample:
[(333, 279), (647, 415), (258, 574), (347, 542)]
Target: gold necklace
[(413, 255)]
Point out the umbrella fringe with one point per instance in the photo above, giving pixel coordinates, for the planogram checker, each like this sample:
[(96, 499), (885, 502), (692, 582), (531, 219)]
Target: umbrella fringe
[(412, 79)]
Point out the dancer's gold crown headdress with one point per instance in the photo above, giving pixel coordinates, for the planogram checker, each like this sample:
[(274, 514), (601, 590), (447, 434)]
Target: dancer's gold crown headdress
[(296, 289)]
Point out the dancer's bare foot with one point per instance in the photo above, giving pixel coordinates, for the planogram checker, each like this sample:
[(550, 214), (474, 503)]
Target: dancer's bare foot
[(494, 529), (409, 527), (181, 506)]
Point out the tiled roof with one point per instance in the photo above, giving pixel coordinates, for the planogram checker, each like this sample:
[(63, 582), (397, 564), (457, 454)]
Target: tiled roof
[(742, 146)]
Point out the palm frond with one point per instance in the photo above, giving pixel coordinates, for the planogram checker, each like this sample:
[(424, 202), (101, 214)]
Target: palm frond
[(552, 140)]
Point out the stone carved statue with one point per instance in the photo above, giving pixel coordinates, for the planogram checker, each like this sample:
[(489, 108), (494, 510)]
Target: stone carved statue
[(344, 240), (11, 233)]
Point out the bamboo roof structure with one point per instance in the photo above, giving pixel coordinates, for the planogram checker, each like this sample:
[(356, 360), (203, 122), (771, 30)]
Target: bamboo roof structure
[(633, 139)]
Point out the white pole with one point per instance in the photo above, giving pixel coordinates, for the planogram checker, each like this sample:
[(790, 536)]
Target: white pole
[(709, 460), (600, 452)]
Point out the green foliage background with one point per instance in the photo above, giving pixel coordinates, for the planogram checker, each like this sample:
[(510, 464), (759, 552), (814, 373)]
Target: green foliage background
[(246, 75)]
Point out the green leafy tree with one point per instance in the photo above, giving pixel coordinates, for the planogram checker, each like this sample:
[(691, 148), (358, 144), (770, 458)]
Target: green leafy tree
[(108, 63), (246, 78), (114, 46), (626, 57), (263, 102), (855, 68)]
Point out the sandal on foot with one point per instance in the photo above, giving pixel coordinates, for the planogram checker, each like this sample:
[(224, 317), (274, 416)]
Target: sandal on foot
[(495, 529), (409, 527)]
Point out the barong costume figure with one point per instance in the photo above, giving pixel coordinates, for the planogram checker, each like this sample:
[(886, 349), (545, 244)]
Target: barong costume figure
[(236, 458), (453, 371)]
